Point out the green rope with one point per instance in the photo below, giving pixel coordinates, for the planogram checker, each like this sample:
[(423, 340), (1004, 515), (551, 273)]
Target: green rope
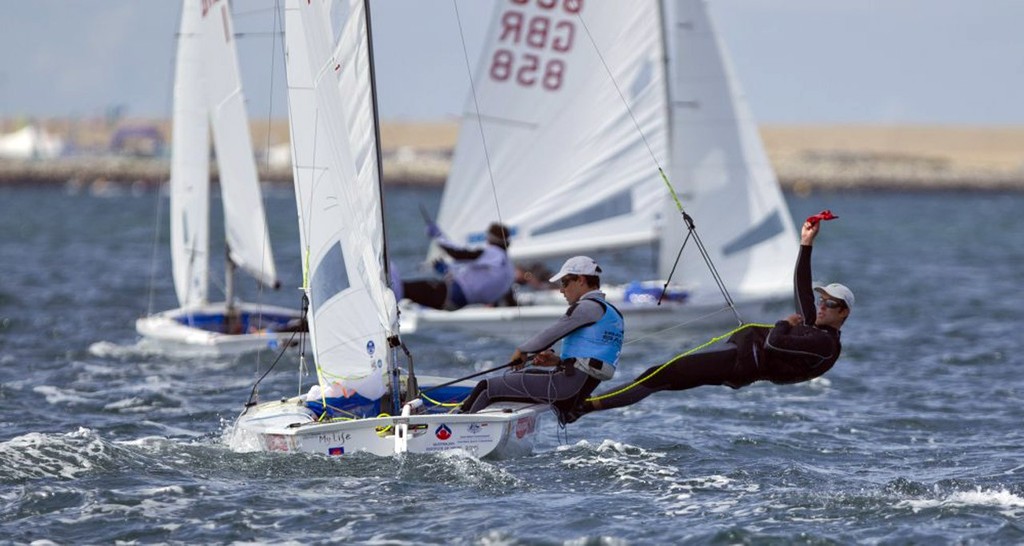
[(712, 341)]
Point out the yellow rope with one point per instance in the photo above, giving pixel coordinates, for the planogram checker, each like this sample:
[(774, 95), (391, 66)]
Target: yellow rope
[(442, 404), (671, 190), (673, 359)]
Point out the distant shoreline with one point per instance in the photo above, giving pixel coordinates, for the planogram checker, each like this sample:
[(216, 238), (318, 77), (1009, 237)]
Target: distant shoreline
[(805, 158)]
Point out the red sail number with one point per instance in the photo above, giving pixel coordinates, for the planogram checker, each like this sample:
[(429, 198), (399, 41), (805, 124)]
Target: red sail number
[(532, 46)]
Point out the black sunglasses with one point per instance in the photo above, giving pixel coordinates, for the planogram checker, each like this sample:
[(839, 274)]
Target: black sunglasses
[(568, 279), (833, 304)]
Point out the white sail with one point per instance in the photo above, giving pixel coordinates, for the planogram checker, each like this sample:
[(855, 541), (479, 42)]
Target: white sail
[(190, 166), (207, 92), (245, 222), (574, 163), (572, 170), (352, 309), (719, 168)]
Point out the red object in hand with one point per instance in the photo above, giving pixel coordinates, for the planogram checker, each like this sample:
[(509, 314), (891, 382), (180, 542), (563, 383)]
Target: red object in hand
[(823, 215)]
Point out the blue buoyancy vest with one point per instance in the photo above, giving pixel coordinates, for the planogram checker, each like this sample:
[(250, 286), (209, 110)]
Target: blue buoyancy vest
[(487, 278), (601, 340)]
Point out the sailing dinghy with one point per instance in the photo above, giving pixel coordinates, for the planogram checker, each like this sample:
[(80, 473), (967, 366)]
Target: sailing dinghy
[(549, 147), (363, 401), (207, 93)]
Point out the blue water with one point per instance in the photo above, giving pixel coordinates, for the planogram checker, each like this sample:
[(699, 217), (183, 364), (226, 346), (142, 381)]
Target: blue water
[(914, 437)]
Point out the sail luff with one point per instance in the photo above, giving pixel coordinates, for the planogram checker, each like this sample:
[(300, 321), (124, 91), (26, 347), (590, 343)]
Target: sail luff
[(190, 165)]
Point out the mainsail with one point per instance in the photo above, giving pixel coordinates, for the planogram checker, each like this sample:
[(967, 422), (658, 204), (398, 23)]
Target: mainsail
[(352, 310), (190, 165), (570, 168), (568, 127), (208, 93)]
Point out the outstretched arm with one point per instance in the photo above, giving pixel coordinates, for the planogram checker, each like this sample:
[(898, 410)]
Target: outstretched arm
[(802, 289)]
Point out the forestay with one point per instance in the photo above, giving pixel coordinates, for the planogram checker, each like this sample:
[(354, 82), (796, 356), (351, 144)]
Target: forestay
[(352, 310)]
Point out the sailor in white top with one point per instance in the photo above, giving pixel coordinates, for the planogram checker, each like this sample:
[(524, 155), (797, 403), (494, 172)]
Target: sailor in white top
[(477, 275)]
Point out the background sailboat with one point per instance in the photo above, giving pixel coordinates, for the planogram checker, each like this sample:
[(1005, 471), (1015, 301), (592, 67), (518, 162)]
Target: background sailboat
[(362, 401), (207, 94), (563, 139)]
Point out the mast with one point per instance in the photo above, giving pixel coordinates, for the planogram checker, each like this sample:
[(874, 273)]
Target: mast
[(376, 135), (393, 341), (230, 311)]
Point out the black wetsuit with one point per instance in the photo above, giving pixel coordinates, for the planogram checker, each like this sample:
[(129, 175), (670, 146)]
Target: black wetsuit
[(781, 354)]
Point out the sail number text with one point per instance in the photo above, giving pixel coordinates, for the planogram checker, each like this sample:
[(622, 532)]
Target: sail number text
[(531, 45)]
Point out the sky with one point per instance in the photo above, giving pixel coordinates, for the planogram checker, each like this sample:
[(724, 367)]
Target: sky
[(799, 61)]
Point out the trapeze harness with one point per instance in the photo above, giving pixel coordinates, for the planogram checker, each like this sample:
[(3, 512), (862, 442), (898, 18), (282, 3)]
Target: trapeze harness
[(596, 348)]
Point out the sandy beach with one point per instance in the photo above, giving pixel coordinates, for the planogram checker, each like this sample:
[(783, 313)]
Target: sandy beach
[(806, 157)]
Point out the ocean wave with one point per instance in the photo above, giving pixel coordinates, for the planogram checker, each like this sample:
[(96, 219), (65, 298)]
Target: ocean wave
[(63, 456)]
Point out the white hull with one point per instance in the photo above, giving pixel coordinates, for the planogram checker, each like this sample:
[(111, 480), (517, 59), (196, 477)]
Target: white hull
[(192, 331), (643, 318), (503, 430)]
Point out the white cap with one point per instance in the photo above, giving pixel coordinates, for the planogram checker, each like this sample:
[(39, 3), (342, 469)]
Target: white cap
[(839, 292), (578, 265)]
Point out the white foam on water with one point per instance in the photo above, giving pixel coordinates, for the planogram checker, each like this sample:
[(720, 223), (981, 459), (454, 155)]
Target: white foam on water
[(133, 404), (1011, 504), (645, 469), (56, 395), (109, 349), (38, 455)]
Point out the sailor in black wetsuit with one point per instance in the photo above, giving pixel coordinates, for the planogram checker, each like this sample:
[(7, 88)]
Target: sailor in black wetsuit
[(795, 349)]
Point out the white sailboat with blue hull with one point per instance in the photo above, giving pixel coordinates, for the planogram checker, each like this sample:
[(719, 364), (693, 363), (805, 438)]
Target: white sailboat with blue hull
[(562, 142), (362, 400), (207, 94)]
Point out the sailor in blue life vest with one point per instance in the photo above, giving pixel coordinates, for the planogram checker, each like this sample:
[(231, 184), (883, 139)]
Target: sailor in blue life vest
[(798, 348), (477, 275), (591, 333)]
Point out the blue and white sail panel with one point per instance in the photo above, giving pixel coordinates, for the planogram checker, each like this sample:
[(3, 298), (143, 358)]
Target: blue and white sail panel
[(571, 171), (190, 165), (719, 168), (353, 311), (245, 223)]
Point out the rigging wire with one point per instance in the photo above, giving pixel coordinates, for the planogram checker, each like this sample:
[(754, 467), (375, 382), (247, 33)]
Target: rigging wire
[(483, 138), (261, 292), (476, 108)]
